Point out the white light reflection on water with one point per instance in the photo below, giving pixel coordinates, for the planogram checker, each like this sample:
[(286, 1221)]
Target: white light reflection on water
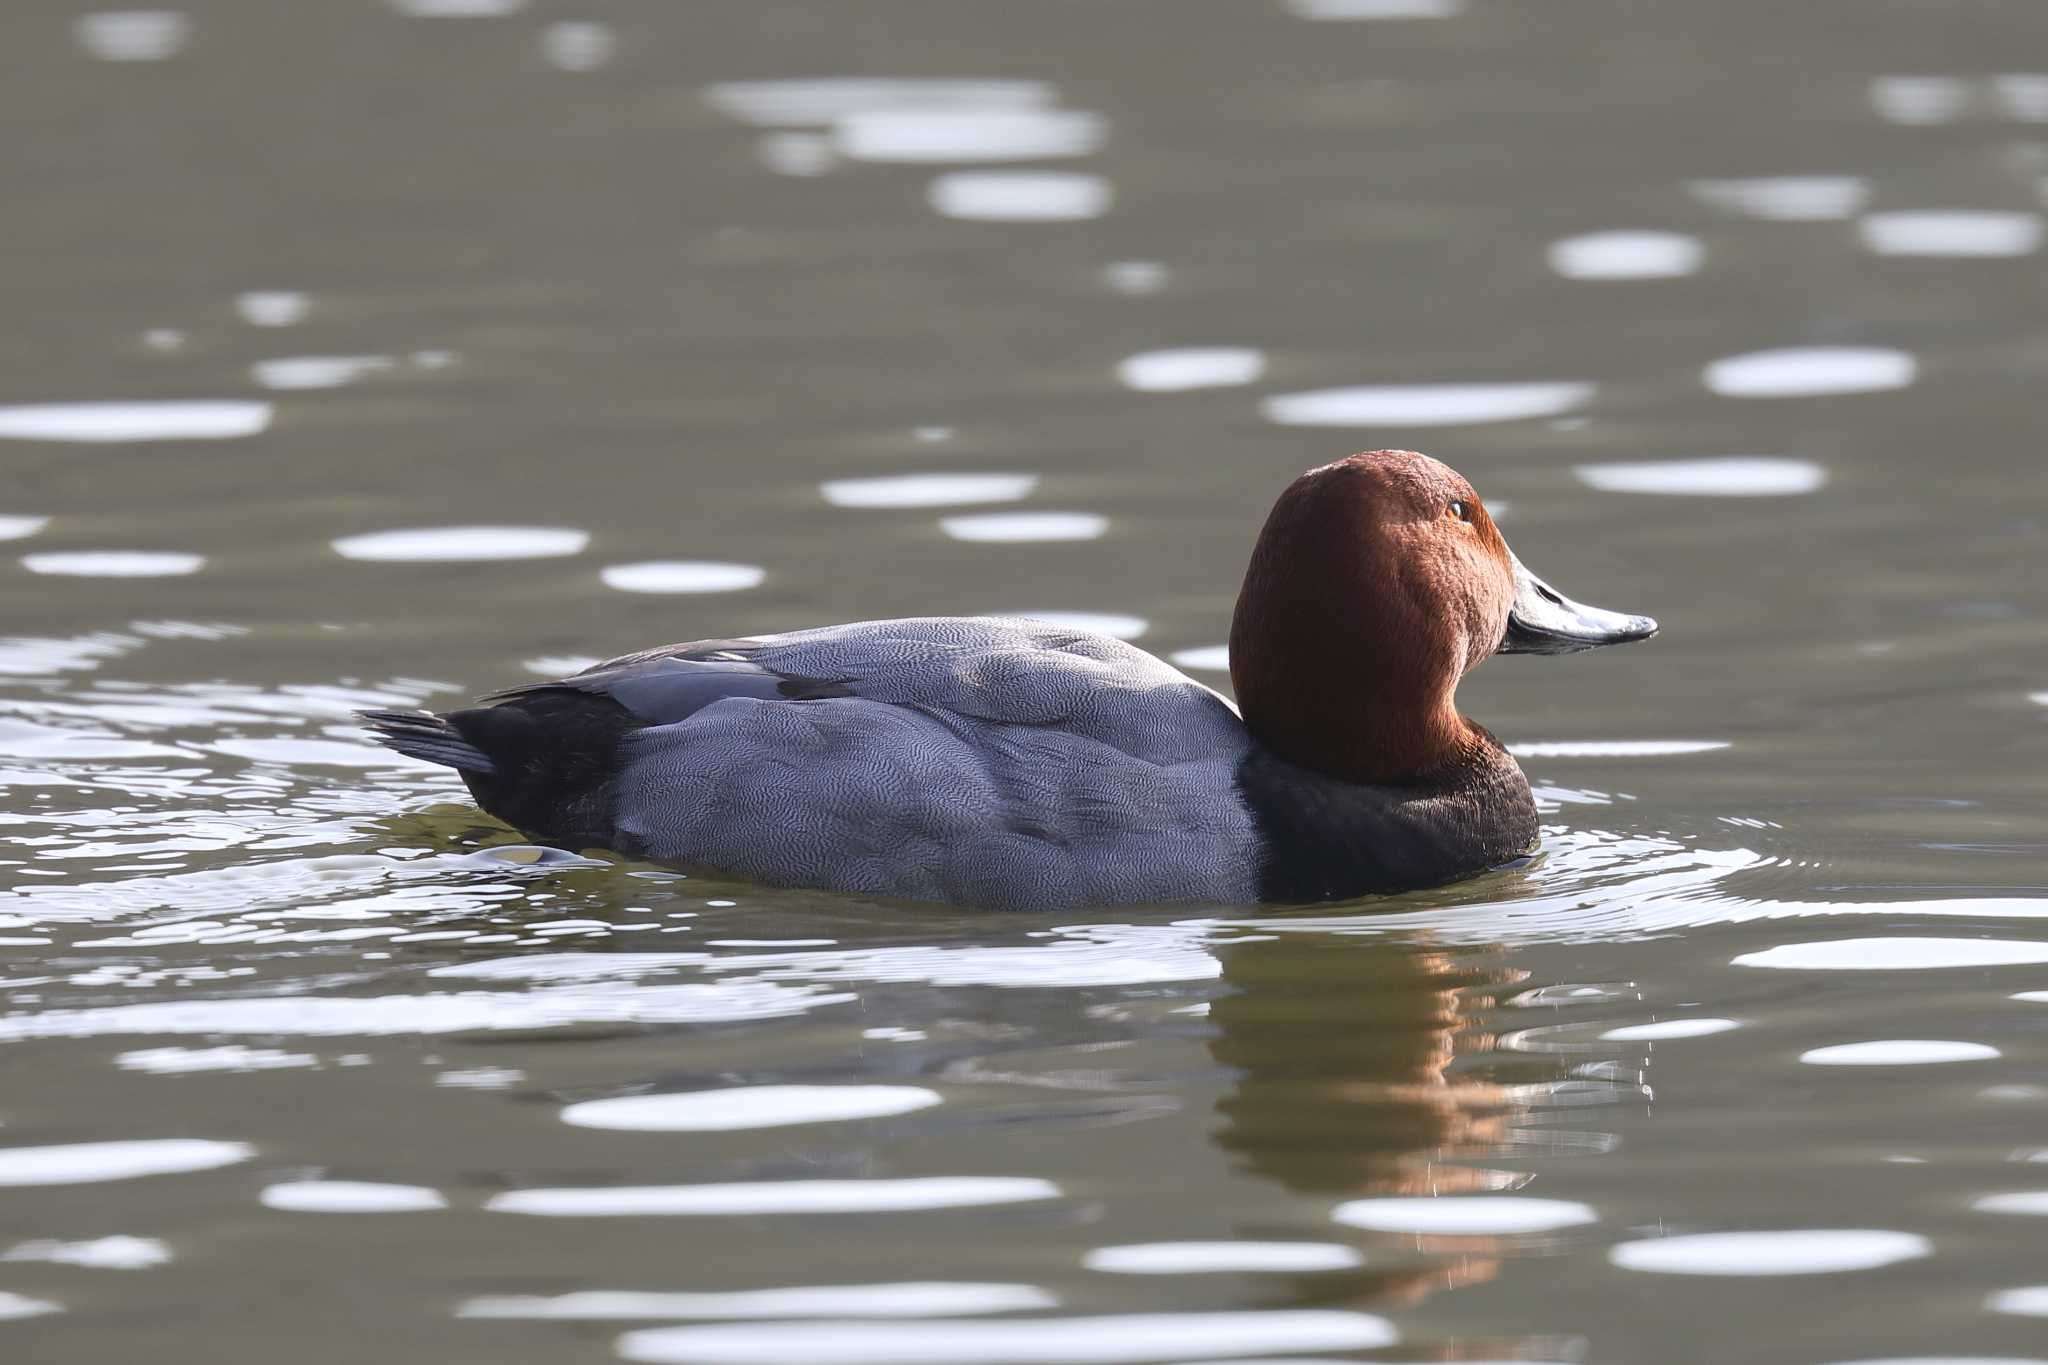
[(928, 490), (1422, 405), (1804, 371), (1898, 1052), (1918, 100), (1818, 1252), (1911, 954), (33, 656), (135, 35), (1951, 232), (1615, 748), (1094, 622), (1020, 196), (316, 371), (914, 1299), (114, 563), (797, 103), (1136, 277), (578, 44), (1198, 367), (26, 739), (271, 307), (1787, 198), (966, 134), (686, 576), (2028, 1301), (1726, 476), (301, 1016), (81, 1163), (1464, 1215), (480, 1078), (118, 1252), (1669, 1029), (458, 9), (1026, 526), (560, 665), (1066, 957), (183, 1061), (1209, 1258), (799, 154), (294, 752), (1600, 887), (2033, 1203), (20, 528), (1210, 658), (189, 419), (761, 1197), (1375, 9), (1627, 255), (350, 1196), (463, 544), (13, 1305), (179, 705), (747, 1107), (2024, 95), (1031, 1341)]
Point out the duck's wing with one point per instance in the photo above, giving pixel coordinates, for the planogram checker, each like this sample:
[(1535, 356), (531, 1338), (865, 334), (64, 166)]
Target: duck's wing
[(1005, 671), (662, 686)]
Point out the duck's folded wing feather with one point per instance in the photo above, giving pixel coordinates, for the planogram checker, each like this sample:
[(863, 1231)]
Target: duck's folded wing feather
[(1009, 672)]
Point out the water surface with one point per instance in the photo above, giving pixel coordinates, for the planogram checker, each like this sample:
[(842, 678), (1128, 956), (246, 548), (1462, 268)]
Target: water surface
[(381, 354)]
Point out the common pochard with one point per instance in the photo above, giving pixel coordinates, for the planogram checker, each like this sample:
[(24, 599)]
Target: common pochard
[(1018, 765)]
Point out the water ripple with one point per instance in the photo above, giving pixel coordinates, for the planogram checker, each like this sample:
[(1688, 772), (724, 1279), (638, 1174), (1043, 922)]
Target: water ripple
[(1098, 1340), (759, 1198), (171, 420), (748, 1107), (1418, 405), (82, 1163), (1829, 1252), (935, 1299), (136, 35), (1020, 196)]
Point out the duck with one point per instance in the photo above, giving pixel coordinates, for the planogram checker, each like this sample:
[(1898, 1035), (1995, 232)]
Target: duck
[(1010, 764)]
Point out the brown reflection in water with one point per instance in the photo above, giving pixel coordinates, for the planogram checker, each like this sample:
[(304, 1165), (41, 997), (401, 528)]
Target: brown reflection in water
[(1345, 1049)]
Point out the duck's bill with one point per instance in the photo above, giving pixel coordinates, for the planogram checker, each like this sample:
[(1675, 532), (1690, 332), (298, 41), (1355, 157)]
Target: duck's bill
[(1545, 621)]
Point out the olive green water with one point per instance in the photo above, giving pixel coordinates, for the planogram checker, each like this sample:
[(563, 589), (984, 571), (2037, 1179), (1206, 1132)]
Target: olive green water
[(294, 1040)]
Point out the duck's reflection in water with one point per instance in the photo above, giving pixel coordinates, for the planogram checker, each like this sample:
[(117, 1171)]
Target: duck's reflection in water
[(1355, 1058)]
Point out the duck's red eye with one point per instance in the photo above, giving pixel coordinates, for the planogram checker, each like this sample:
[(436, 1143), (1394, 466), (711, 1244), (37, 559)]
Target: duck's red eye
[(1461, 510)]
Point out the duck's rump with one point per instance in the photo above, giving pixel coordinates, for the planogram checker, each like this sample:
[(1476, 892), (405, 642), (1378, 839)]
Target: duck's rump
[(983, 762)]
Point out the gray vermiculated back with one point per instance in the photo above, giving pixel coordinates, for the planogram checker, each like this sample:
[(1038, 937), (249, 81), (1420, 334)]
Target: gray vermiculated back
[(987, 762)]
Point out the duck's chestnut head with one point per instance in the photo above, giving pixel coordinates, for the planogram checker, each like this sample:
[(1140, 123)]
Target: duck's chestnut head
[(1377, 582)]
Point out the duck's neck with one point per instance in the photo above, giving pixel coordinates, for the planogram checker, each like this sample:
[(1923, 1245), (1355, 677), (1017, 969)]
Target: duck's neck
[(1362, 699), (1337, 707)]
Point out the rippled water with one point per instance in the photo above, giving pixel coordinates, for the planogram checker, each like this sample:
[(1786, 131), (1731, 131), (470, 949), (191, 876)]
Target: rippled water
[(384, 352)]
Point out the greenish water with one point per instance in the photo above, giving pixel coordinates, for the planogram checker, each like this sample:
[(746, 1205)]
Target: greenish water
[(1752, 298)]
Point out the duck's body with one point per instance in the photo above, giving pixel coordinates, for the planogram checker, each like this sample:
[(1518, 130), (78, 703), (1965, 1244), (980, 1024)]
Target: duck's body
[(999, 763), (986, 762)]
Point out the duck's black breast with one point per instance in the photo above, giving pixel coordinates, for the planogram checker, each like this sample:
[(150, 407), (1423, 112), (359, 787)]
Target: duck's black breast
[(1326, 839)]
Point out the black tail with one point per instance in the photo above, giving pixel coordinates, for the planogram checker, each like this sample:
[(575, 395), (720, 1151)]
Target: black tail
[(544, 763), (420, 734)]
